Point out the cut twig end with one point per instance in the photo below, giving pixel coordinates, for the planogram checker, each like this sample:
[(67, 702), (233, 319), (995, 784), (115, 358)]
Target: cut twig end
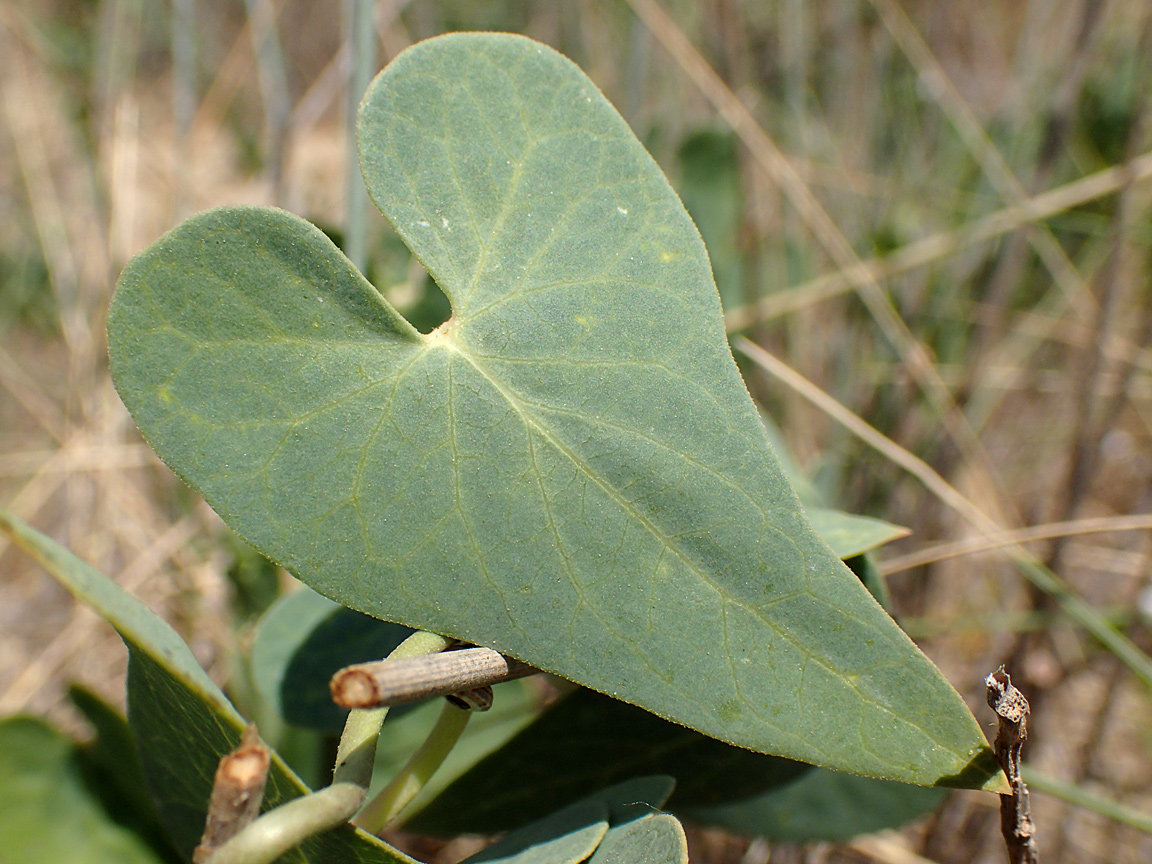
[(237, 792), (354, 687), (412, 679)]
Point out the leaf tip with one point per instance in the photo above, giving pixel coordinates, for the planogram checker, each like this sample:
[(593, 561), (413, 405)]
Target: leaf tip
[(982, 772)]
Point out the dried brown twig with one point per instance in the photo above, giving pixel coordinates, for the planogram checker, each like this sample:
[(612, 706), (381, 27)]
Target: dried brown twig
[(1015, 813), (236, 794), (413, 679)]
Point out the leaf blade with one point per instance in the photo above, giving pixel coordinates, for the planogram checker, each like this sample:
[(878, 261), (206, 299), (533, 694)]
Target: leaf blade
[(181, 721)]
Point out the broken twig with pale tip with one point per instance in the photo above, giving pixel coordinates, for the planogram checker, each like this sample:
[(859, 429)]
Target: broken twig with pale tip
[(237, 793), (1015, 812), (451, 673)]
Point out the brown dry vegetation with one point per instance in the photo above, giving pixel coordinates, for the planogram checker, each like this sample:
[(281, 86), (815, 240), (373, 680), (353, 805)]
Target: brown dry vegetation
[(1002, 336)]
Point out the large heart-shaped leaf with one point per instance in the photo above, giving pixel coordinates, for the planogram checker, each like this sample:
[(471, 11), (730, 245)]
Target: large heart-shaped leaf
[(570, 469)]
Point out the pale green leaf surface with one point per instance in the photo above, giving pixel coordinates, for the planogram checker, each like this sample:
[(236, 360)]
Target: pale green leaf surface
[(47, 813), (570, 470), (567, 837), (571, 834), (656, 838), (850, 535), (282, 630), (181, 720)]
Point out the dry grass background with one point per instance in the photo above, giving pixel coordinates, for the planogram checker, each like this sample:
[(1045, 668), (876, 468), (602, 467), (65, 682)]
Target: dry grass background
[(942, 225)]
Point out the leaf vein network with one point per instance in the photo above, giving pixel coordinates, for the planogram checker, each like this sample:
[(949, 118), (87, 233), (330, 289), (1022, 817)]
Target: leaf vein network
[(533, 422)]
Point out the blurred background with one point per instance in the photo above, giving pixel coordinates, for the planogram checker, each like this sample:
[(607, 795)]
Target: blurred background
[(928, 222)]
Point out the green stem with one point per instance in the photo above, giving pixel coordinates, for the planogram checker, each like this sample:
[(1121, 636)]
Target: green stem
[(357, 751), (290, 824), (1081, 797), (406, 785), (360, 35)]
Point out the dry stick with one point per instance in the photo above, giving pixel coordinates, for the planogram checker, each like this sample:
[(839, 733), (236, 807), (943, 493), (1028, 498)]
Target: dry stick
[(357, 751), (1015, 815), (285, 827), (992, 163), (937, 246), (230, 75), (44, 197), (83, 457), (1071, 528), (21, 387), (1110, 808), (398, 682), (1071, 283), (1009, 268), (237, 793), (835, 244), (1091, 426), (887, 847), (36, 492), (1086, 432), (273, 81)]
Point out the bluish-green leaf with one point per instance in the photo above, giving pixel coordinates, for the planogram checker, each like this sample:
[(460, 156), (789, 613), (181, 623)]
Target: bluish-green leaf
[(568, 837), (181, 720), (655, 838), (282, 629), (571, 834), (570, 469), (850, 535)]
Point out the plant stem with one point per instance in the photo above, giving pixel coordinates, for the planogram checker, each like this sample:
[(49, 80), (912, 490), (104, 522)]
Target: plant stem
[(290, 824), (359, 33), (406, 785), (399, 682), (357, 751), (237, 793), (1016, 823), (1087, 799)]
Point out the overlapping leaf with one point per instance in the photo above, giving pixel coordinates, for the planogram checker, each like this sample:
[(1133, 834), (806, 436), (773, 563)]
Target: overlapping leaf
[(181, 721), (598, 823), (585, 741), (570, 469)]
